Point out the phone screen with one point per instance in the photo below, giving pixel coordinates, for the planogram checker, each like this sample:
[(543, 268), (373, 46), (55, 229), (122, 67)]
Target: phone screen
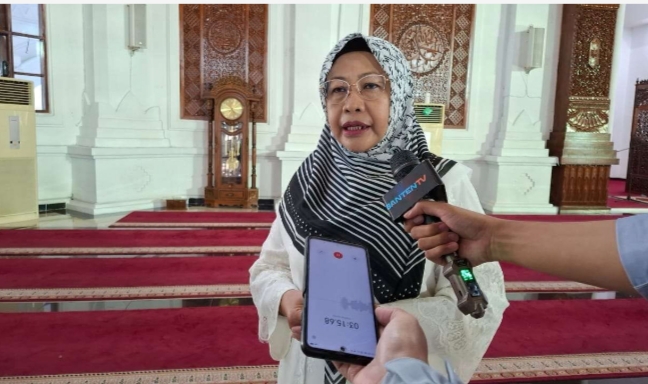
[(340, 311)]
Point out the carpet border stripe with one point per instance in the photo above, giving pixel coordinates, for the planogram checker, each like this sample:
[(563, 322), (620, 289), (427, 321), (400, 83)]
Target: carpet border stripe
[(127, 250), (549, 286), (190, 225), (228, 375), (490, 370), (224, 291), (116, 293), (562, 366)]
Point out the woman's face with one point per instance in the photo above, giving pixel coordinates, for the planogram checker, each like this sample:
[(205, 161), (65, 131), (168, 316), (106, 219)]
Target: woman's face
[(358, 124)]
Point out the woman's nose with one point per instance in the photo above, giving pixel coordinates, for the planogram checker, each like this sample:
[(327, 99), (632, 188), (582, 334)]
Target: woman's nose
[(354, 102)]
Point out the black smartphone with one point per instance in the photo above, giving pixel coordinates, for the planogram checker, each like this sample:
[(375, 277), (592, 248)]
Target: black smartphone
[(338, 320)]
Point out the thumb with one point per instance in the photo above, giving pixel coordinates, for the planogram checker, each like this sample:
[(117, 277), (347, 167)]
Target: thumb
[(385, 314), (427, 208)]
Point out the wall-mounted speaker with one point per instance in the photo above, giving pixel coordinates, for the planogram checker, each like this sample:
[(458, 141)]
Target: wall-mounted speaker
[(136, 26), (534, 48)]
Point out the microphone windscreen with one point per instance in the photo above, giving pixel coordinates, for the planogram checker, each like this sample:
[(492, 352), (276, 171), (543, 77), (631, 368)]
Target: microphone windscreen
[(402, 163)]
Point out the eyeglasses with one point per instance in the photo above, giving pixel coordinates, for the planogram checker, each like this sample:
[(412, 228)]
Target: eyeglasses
[(369, 88)]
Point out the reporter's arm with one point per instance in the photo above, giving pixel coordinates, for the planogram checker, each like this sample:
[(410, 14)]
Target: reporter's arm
[(586, 252), (609, 254)]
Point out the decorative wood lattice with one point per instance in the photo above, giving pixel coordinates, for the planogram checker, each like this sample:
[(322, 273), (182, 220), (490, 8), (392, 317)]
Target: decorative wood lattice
[(436, 41), (637, 179), (217, 41)]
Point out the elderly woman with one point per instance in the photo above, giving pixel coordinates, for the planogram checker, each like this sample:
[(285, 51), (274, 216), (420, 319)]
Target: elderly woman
[(366, 91)]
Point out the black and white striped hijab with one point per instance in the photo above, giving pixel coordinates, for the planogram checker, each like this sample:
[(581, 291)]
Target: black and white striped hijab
[(337, 193)]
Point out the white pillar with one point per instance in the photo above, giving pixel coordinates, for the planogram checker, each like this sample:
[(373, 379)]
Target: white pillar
[(115, 115), (518, 162), (122, 159)]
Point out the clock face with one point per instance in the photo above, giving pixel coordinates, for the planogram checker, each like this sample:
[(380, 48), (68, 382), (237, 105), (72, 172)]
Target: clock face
[(231, 108)]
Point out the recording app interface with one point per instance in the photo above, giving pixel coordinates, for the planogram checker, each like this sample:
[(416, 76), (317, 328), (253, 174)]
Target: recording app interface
[(340, 305)]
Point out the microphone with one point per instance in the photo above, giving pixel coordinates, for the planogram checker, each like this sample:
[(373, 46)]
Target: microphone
[(419, 180)]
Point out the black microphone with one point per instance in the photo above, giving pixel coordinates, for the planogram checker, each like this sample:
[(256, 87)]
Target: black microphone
[(417, 181)]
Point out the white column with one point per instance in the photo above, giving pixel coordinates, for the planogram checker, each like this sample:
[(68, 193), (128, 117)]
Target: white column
[(518, 162), (329, 23), (115, 112), (122, 159)]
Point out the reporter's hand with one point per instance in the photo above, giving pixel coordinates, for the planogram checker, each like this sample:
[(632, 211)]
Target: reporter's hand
[(400, 336), (471, 232), (291, 307)]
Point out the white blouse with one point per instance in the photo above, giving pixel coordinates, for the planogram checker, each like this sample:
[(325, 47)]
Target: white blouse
[(452, 336)]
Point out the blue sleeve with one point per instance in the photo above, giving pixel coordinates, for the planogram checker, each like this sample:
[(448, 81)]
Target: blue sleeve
[(407, 370), (632, 242)]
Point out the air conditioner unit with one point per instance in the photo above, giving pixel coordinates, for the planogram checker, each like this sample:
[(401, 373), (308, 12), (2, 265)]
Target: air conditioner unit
[(18, 177), (431, 117)]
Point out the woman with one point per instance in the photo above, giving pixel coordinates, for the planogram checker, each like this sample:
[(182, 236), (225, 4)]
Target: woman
[(367, 97)]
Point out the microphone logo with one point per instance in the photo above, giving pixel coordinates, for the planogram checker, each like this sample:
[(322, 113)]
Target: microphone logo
[(406, 192)]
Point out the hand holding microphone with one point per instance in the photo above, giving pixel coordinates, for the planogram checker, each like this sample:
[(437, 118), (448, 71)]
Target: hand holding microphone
[(420, 181), (436, 240)]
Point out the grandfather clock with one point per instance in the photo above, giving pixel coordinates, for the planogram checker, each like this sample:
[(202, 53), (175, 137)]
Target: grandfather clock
[(229, 137)]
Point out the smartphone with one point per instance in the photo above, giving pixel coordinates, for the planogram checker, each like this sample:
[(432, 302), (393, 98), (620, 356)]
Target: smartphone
[(338, 320)]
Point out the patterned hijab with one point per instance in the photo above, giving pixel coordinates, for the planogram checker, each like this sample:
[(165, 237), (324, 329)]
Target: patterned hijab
[(337, 193)]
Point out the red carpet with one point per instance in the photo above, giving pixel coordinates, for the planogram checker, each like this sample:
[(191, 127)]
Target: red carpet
[(605, 338), (70, 279), (56, 279), (616, 188), (128, 242), (538, 341), (189, 219), (140, 340)]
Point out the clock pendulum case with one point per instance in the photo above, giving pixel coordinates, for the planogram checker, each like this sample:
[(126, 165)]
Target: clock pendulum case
[(229, 137)]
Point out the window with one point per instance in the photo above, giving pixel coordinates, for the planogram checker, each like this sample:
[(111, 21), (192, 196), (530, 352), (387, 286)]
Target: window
[(22, 47)]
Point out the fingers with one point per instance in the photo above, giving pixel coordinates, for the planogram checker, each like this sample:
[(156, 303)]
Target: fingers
[(422, 231), (427, 208), (343, 368), (296, 332), (387, 315), (294, 318), (413, 222), (436, 255), (432, 241), (350, 371), (383, 314)]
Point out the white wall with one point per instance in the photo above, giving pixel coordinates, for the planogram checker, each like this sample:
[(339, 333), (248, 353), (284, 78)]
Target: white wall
[(633, 56), (87, 42)]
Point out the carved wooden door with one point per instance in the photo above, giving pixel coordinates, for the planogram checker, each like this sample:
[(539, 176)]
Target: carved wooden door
[(637, 179)]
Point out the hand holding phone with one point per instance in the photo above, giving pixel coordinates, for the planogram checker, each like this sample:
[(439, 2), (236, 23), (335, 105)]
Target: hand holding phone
[(338, 319), (291, 307), (401, 336)]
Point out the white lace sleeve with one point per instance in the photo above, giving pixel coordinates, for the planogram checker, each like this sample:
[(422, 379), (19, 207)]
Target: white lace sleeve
[(270, 278), (452, 336), (460, 339)]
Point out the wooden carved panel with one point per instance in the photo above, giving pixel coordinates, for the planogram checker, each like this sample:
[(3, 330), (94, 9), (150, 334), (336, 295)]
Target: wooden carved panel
[(217, 41), (637, 178), (592, 64), (580, 186), (585, 65), (435, 39)]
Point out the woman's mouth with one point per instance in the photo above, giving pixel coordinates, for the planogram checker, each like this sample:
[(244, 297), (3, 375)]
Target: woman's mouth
[(354, 128)]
